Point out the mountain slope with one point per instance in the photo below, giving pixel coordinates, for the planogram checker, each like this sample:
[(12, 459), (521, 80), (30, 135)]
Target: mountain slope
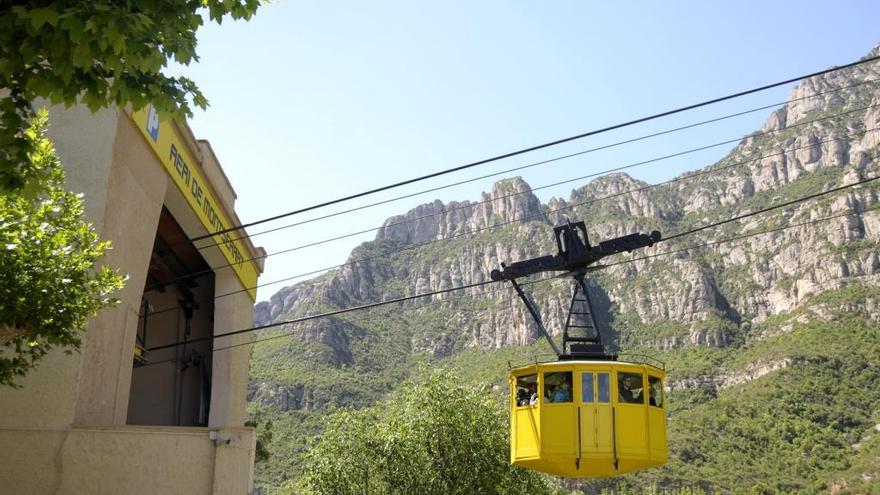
[(771, 340)]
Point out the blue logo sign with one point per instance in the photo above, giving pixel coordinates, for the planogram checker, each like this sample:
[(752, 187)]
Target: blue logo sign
[(153, 124)]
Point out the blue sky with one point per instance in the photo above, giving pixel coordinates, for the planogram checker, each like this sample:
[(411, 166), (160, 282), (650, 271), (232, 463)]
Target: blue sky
[(315, 100)]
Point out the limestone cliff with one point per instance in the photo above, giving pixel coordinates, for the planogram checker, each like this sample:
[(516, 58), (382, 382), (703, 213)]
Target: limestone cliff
[(825, 136)]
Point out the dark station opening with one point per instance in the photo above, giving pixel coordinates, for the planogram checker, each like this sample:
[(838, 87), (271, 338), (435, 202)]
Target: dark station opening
[(172, 386)]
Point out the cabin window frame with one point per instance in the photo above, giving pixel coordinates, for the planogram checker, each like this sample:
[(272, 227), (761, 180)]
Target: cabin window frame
[(662, 392), (607, 389), (619, 381), (516, 387), (544, 392), (593, 389)]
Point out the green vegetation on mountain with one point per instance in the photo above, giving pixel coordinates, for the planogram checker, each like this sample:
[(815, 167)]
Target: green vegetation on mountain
[(790, 430), (770, 336)]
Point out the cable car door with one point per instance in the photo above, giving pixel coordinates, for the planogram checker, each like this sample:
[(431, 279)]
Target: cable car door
[(558, 415), (525, 439), (595, 414), (631, 418), (657, 418)]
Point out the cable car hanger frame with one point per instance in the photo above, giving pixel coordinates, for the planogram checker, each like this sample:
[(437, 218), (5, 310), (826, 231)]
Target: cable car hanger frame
[(574, 255)]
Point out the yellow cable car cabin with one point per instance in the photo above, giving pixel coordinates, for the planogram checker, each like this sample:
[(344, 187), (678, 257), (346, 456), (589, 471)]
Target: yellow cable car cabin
[(588, 414), (587, 418)]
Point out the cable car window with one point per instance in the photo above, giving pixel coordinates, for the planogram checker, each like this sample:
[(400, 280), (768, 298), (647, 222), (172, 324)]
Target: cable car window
[(655, 391), (630, 388), (557, 386), (526, 390), (587, 387), (604, 387)]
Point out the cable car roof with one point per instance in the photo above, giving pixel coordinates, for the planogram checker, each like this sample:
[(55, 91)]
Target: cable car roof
[(619, 361)]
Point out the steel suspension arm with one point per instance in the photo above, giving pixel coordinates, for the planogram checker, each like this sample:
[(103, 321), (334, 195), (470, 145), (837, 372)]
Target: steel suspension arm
[(536, 316)]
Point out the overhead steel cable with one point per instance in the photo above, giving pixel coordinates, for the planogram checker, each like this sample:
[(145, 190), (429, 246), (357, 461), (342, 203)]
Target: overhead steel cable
[(539, 146), (534, 164), (592, 269), (344, 323), (595, 174), (632, 260), (573, 179), (704, 172), (708, 171), (480, 284), (323, 315)]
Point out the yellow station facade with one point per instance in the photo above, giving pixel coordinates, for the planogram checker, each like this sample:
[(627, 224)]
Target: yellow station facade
[(118, 417)]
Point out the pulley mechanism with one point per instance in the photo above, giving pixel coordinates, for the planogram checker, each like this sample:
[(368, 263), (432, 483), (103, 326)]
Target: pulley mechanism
[(581, 337)]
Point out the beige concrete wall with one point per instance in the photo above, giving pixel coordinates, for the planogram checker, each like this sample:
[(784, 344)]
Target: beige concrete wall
[(49, 392), (55, 380), (86, 156), (135, 192), (229, 476), (231, 366), (129, 459)]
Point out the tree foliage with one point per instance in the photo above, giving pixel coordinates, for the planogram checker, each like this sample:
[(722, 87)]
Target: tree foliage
[(432, 437), (100, 51), (48, 286), (264, 437)]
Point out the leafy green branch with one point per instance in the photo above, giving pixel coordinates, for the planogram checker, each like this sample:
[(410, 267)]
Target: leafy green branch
[(48, 285), (101, 53)]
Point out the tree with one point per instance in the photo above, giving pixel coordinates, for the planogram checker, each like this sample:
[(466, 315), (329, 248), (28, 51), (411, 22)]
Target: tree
[(433, 437), (264, 436), (48, 287), (100, 52)]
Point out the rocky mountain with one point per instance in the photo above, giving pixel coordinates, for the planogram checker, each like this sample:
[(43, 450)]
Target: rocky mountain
[(787, 295)]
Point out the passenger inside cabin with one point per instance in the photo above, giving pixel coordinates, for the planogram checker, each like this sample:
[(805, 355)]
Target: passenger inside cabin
[(549, 391), (527, 390), (557, 387), (655, 390), (526, 397), (629, 388), (563, 393)]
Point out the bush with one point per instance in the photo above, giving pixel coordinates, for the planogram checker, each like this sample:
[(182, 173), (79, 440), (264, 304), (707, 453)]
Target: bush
[(49, 287), (432, 437)]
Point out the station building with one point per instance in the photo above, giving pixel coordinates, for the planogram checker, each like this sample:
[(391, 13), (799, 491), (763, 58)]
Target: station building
[(121, 416)]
